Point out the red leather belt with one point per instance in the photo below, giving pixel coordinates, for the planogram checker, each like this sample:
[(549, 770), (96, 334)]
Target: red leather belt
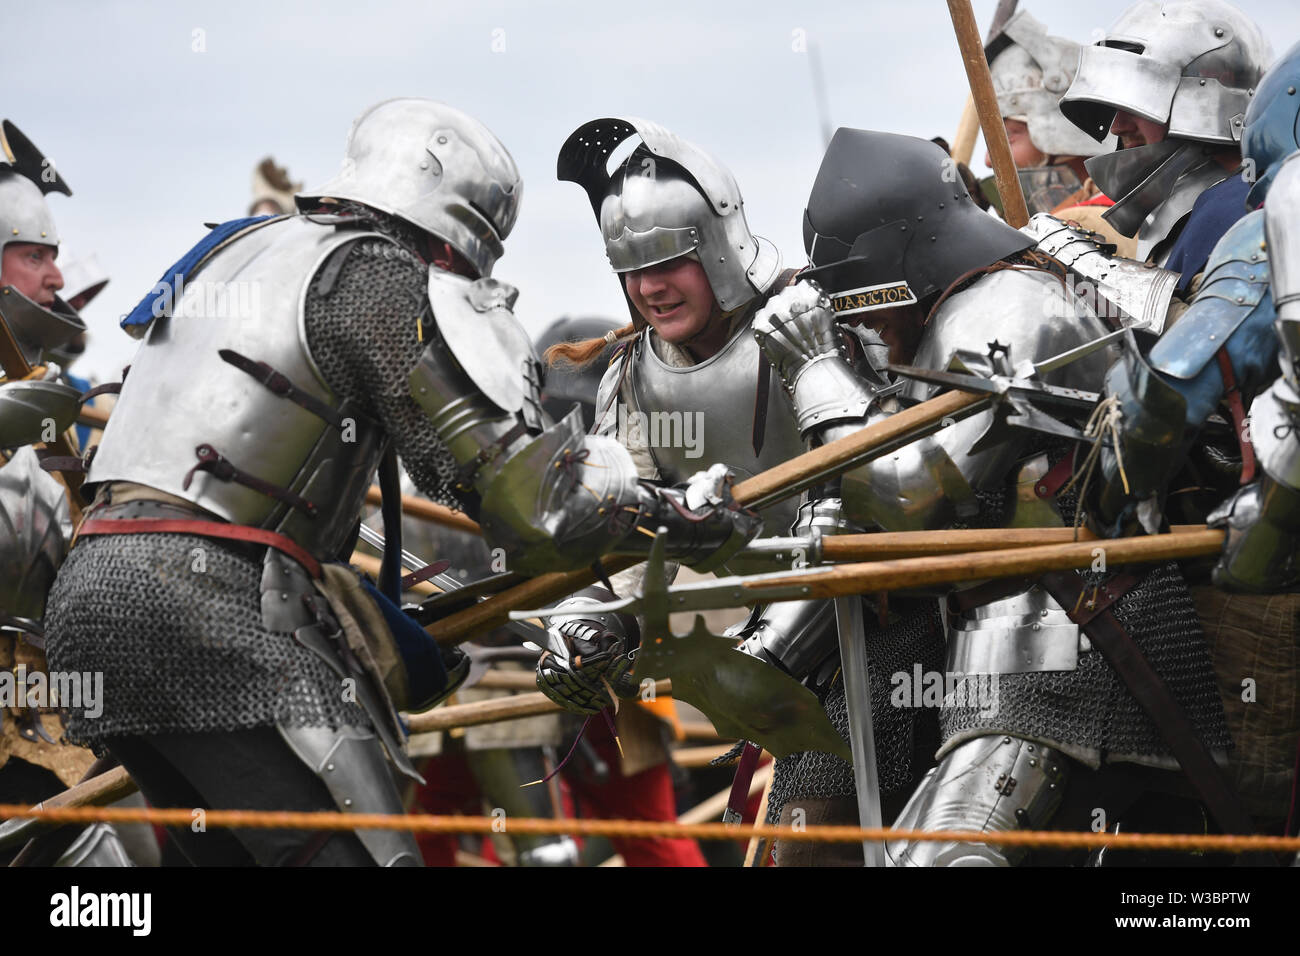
[(207, 529)]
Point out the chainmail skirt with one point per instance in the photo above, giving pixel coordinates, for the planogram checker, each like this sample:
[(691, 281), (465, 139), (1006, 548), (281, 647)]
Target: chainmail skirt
[(906, 737), (1088, 712), (174, 624)]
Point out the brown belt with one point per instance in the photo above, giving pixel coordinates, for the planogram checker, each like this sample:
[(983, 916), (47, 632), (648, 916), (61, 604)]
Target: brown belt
[(206, 529)]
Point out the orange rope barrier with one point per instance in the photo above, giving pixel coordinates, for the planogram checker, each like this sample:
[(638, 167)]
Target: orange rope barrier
[(423, 823)]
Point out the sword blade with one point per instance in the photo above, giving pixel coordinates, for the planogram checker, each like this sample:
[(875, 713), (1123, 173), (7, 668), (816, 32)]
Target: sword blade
[(862, 739), (529, 632)]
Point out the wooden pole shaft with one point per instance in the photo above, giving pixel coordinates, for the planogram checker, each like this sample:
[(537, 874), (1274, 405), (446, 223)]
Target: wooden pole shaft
[(495, 710), (535, 592), (909, 573), (770, 485), (963, 144), (434, 513), (986, 105), (917, 544)]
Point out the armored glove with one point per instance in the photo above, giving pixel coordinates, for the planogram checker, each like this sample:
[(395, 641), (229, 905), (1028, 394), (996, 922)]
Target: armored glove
[(797, 331), (586, 652), (705, 525)]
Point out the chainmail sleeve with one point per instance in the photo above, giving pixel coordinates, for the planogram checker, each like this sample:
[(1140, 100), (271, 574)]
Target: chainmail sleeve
[(364, 332)]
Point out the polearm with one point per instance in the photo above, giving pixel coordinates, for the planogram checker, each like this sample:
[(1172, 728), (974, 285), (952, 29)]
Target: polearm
[(883, 546), (986, 105), (908, 574), (963, 144)]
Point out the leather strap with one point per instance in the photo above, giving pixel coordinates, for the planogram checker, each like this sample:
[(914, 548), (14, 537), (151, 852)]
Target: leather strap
[(282, 386), (212, 462), (390, 488), (428, 571), (735, 812), (764, 386), (1149, 689), (108, 388), (206, 529), (466, 472), (1232, 395), (66, 463), (1051, 483)]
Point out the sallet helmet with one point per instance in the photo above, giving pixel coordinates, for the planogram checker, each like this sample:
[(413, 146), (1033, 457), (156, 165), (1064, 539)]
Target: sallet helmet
[(667, 199), (889, 222), (26, 177), (434, 167), (1191, 66), (1031, 72)]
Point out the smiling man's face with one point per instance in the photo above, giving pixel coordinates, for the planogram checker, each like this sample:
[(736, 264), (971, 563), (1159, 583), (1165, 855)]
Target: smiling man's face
[(674, 297)]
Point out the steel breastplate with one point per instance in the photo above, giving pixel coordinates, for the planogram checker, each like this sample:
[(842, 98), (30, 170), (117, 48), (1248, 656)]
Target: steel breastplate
[(181, 394), (692, 417)]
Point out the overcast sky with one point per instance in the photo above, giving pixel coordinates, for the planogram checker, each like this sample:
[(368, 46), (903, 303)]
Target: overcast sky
[(156, 113)]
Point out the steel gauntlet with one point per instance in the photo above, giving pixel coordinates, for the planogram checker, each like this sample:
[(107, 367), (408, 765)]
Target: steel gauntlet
[(798, 333), (588, 654)]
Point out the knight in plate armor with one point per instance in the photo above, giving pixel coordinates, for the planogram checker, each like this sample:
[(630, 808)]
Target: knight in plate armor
[(1203, 417), (672, 220), (1037, 724), (283, 360), (1031, 71), (1173, 81), (35, 762)]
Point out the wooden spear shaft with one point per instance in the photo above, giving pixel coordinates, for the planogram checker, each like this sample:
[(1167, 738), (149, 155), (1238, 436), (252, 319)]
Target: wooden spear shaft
[(986, 104), (917, 544), (963, 144), (911, 573), (495, 710)]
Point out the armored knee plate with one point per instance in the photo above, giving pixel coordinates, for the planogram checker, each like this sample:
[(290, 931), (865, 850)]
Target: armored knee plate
[(352, 766), (988, 784)]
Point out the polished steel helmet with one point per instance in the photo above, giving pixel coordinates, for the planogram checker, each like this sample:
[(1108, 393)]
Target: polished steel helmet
[(26, 176), (1031, 72), (669, 198), (435, 167), (1191, 66)]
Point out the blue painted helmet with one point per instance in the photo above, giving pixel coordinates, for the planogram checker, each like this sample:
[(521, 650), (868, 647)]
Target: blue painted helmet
[(1273, 123)]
